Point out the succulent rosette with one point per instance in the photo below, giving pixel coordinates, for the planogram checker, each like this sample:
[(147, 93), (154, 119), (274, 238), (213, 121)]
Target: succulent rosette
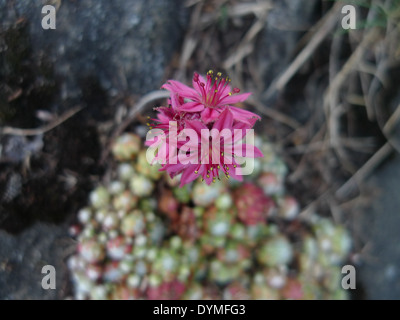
[(143, 237)]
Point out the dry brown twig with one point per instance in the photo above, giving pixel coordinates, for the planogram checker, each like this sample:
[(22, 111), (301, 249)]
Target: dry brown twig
[(342, 193), (364, 171), (392, 122), (297, 174), (236, 10), (326, 25), (274, 114), (44, 129), (246, 46), (331, 96)]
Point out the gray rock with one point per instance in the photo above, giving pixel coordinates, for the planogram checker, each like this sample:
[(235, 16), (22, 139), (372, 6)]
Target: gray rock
[(124, 45), (379, 272), (23, 256), (121, 46), (16, 149)]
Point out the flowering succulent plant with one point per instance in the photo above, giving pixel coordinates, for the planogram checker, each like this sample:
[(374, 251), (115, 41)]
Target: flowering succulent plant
[(152, 234), (221, 241), (204, 113)]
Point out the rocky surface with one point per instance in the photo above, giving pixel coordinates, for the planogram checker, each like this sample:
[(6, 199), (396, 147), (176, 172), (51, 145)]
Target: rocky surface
[(380, 272), (22, 258), (121, 44), (98, 50)]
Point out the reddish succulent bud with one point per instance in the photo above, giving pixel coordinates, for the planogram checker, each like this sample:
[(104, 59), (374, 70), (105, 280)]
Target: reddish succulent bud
[(168, 205), (293, 290), (187, 227), (172, 290), (252, 204)]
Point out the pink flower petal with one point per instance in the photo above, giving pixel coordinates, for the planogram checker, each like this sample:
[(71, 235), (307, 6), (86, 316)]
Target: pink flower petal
[(192, 107), (196, 125), (181, 89), (174, 168), (257, 153), (235, 173), (225, 120), (240, 130), (235, 98), (208, 180), (189, 174), (244, 116), (209, 115), (174, 100), (240, 125)]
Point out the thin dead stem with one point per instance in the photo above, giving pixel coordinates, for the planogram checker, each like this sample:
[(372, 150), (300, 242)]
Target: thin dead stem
[(44, 129)]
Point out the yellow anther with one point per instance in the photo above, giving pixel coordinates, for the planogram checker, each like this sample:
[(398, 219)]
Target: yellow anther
[(196, 172), (219, 74), (208, 176), (230, 93), (216, 91), (235, 166), (222, 154), (219, 167)]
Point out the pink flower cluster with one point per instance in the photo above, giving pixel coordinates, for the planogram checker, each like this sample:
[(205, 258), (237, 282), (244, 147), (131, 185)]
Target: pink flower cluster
[(208, 105)]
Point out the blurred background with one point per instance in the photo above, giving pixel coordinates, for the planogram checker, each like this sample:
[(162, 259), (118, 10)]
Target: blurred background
[(328, 98)]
